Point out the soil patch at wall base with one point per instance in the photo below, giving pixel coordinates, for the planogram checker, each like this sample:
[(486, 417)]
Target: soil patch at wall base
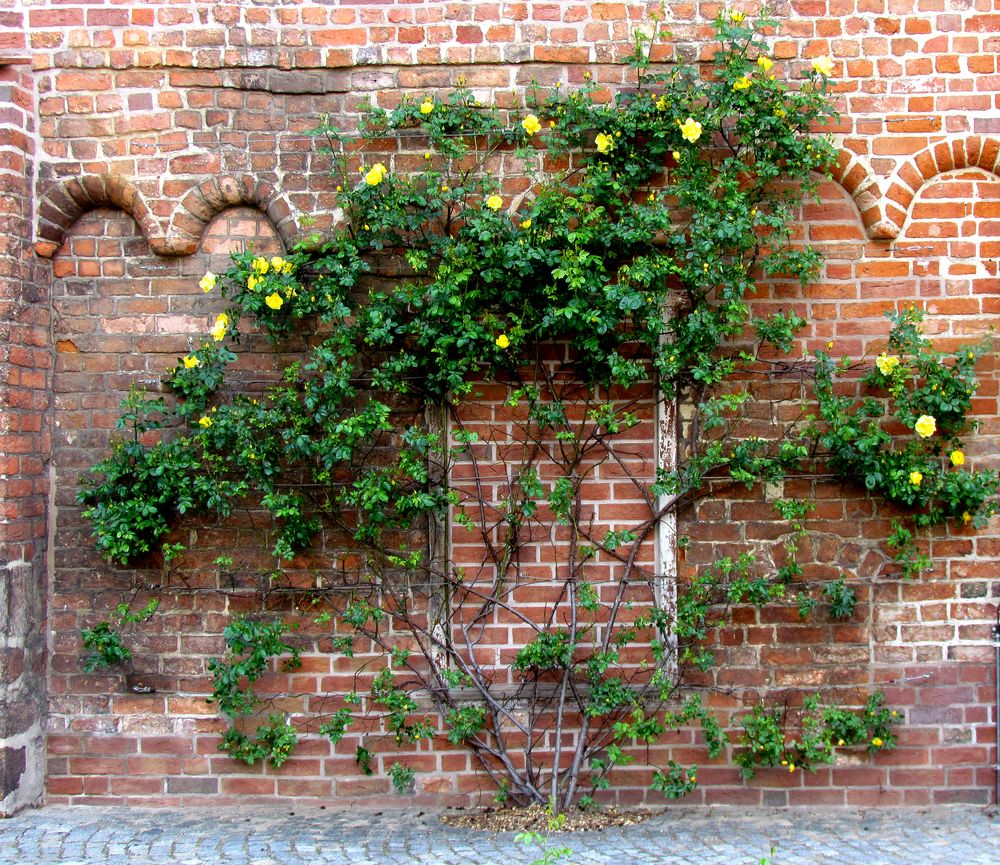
[(536, 819)]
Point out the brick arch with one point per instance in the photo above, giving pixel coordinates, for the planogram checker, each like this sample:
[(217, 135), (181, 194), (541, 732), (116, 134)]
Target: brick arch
[(65, 203), (971, 151), (207, 200), (857, 180)]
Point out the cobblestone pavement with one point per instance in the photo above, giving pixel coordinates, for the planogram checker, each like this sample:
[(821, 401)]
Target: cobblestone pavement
[(282, 836)]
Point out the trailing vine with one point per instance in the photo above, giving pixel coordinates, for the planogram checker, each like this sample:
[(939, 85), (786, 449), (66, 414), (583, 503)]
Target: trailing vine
[(592, 254)]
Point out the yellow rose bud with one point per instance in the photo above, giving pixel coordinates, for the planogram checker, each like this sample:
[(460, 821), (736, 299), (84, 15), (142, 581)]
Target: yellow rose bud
[(966, 517), (957, 458), (877, 742)]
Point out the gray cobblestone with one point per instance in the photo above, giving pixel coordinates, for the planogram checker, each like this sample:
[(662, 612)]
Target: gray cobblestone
[(311, 836)]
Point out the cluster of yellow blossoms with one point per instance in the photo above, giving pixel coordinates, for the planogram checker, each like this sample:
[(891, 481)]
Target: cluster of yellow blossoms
[(925, 426)]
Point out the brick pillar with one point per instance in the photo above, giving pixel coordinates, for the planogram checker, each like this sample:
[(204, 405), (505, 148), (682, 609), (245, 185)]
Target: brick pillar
[(24, 399)]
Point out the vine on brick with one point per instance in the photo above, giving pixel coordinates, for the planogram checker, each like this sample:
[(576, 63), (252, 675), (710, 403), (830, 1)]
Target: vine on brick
[(618, 276)]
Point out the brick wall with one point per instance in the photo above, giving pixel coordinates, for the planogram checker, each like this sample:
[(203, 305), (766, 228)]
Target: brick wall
[(168, 132), (24, 370)]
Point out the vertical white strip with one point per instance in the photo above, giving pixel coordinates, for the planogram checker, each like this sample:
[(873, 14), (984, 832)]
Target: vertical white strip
[(665, 586)]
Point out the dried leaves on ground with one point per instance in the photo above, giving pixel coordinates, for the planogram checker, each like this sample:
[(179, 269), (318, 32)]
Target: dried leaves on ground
[(536, 818)]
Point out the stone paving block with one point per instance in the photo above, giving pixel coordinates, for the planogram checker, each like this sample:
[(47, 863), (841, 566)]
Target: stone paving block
[(718, 836)]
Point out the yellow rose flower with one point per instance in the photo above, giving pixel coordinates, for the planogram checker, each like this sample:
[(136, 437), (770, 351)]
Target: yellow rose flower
[(966, 517), (252, 282), (526, 224), (957, 458), (220, 327), (765, 63), (604, 143), (877, 742), (204, 422), (742, 83), (925, 426), (494, 202), (824, 66), (676, 155), (503, 341), (376, 174), (661, 103), (737, 17), (190, 361), (427, 106), (886, 363), (690, 130), (274, 300), (916, 478), (531, 125), (278, 263), (260, 266), (208, 282)]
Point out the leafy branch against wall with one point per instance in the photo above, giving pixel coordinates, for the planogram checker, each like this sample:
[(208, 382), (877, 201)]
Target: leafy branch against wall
[(591, 255)]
